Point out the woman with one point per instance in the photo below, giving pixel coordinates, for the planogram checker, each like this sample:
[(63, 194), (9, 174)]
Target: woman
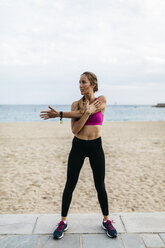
[(87, 117)]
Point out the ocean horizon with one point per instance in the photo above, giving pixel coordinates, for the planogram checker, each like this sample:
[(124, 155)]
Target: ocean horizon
[(31, 112)]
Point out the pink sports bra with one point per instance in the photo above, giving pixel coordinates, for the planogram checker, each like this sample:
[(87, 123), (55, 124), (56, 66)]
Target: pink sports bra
[(95, 119)]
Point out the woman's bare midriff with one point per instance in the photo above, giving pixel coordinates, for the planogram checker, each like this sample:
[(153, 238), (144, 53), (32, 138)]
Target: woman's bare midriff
[(89, 132)]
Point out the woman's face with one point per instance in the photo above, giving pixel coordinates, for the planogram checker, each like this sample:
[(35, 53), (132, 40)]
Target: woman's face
[(85, 85)]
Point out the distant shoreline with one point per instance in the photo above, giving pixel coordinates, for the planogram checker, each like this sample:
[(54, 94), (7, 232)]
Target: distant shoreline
[(31, 113)]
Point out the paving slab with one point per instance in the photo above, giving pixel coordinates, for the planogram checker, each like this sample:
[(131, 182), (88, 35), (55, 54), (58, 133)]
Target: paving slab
[(77, 223), (17, 223), (68, 241), (144, 222), (152, 240), (132, 241), (92, 223), (46, 223), (100, 241), (162, 236), (19, 241)]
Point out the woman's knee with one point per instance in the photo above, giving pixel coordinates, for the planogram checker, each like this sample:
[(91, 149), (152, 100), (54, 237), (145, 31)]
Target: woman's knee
[(100, 187), (69, 187)]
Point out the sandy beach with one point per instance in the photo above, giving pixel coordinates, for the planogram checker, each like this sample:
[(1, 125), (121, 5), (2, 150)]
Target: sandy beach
[(33, 163)]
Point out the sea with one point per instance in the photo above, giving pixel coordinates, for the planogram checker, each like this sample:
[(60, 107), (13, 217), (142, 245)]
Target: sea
[(31, 113)]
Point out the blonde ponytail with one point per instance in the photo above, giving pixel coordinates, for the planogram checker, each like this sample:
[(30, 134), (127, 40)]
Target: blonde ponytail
[(81, 103)]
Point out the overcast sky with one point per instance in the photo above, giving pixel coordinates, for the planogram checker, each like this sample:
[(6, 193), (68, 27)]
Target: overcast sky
[(46, 44)]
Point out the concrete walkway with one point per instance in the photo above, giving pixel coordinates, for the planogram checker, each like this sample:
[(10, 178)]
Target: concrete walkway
[(135, 230)]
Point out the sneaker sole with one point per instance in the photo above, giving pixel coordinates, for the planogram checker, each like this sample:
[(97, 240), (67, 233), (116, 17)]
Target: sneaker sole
[(62, 234), (108, 233)]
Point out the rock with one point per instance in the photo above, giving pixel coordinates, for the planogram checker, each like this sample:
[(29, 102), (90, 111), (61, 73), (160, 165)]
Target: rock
[(160, 105)]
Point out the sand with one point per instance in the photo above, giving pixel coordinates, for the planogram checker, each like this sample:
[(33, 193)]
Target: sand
[(33, 163)]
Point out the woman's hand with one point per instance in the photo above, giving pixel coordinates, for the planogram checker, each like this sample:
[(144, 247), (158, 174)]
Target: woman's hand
[(93, 107), (52, 113)]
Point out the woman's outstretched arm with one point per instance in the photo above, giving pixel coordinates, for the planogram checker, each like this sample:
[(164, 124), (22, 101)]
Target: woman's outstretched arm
[(53, 113)]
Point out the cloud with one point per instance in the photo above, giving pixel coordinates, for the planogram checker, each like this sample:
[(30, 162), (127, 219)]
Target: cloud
[(121, 41)]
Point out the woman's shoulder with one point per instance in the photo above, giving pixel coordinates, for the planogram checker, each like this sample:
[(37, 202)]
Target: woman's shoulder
[(103, 98), (74, 103)]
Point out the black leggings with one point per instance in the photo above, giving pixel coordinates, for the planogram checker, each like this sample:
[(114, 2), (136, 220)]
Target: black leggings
[(81, 149)]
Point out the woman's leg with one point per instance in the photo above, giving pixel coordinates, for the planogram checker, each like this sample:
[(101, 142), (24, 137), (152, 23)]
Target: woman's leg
[(75, 162), (97, 162)]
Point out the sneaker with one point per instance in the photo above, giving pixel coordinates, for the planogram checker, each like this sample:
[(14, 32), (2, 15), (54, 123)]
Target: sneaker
[(59, 232), (111, 231)]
